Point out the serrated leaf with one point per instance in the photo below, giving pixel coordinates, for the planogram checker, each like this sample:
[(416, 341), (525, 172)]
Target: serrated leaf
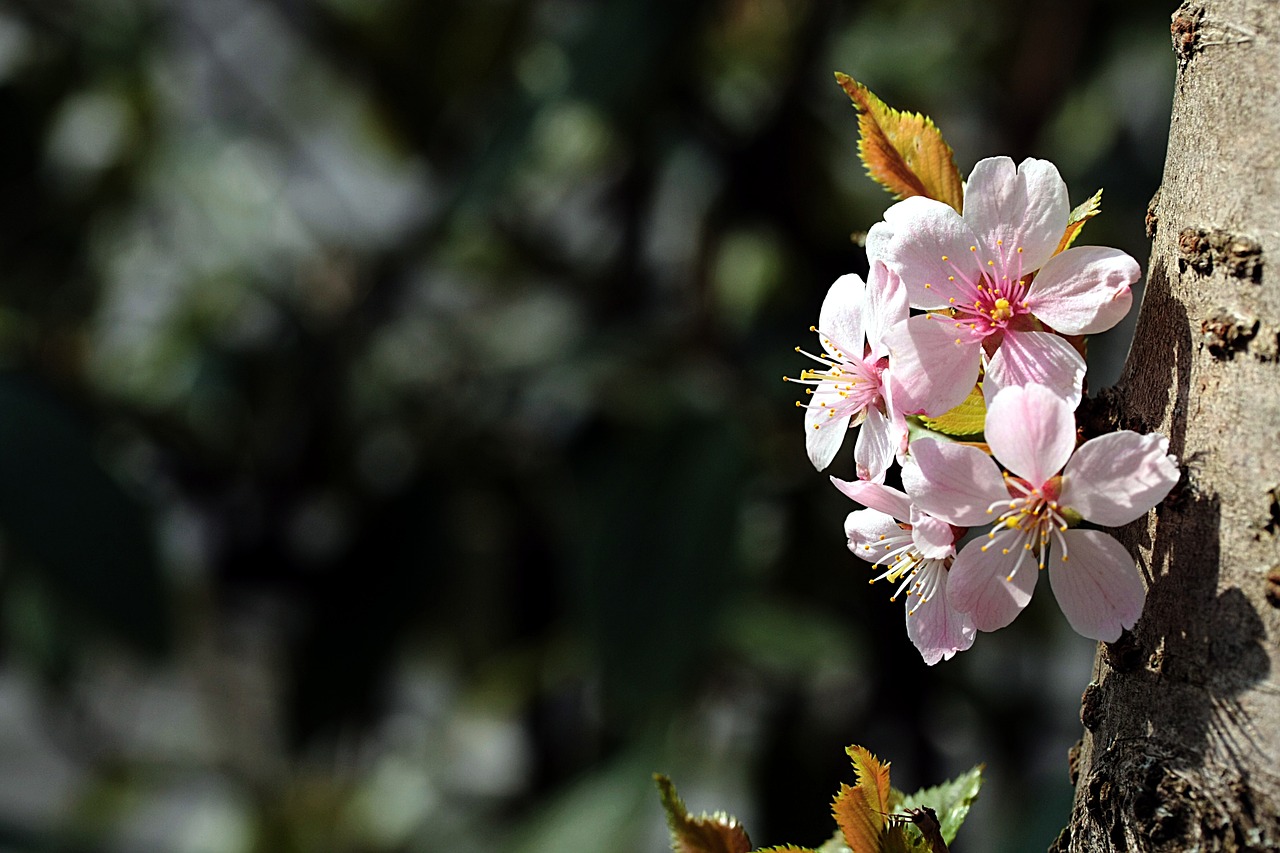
[(951, 800), (904, 152), (787, 848), (968, 418), (861, 811), (715, 833), (1079, 216)]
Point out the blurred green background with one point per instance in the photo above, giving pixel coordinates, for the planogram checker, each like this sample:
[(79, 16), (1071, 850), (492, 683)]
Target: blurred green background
[(393, 452)]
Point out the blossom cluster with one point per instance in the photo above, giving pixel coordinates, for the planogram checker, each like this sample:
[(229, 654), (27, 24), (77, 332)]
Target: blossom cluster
[(1000, 300)]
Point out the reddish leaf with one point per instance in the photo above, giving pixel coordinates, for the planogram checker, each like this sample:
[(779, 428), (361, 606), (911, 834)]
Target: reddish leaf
[(861, 811), (717, 833), (904, 152)]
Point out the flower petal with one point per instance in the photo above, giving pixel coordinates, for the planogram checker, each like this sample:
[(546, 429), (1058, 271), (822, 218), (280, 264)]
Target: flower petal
[(991, 586), (1043, 358), (843, 317), (935, 627), (1031, 431), (917, 234), (1115, 478), (867, 531), (823, 434), (953, 482), (1084, 290), (873, 452), (886, 306), (1026, 208), (1098, 587), (933, 538), (876, 496), (931, 372)]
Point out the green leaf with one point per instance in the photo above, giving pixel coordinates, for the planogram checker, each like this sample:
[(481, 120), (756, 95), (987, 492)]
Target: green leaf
[(835, 845), (951, 800), (716, 833), (903, 152), (787, 848), (1082, 214), (967, 419)]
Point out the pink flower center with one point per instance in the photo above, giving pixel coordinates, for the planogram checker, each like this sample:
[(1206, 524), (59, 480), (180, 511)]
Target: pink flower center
[(1029, 520), (991, 298), (846, 384)]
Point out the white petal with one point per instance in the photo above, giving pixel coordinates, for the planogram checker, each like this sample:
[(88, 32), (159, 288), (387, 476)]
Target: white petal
[(886, 306), (842, 318), (953, 482), (876, 496), (1026, 358), (873, 452), (1099, 587), (823, 434), (868, 532), (930, 372), (1031, 431), (991, 586), (1026, 208), (1115, 478), (1084, 290), (936, 628), (933, 537), (917, 234)]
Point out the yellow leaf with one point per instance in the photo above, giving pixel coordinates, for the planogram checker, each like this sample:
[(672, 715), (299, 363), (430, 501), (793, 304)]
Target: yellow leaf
[(968, 418), (904, 152), (1082, 214), (861, 811)]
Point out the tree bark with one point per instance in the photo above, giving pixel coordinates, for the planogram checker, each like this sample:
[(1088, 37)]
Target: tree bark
[(1182, 720)]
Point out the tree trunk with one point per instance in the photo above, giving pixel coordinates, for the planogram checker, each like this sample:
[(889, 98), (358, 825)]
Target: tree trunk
[(1182, 722)]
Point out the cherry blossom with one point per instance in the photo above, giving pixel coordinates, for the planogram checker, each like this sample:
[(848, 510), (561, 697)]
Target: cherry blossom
[(850, 387), (916, 556), (995, 287), (1111, 480)]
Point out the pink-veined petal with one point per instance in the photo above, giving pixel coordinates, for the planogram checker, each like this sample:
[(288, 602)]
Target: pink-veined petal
[(1031, 431), (873, 451), (877, 496), (933, 537), (991, 586), (867, 531), (886, 306), (1099, 587), (842, 319), (1025, 207), (1115, 478), (1084, 290), (1040, 358), (953, 482), (823, 434), (921, 239), (935, 627), (931, 372)]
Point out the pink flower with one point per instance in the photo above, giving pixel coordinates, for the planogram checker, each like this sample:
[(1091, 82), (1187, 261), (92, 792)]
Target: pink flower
[(850, 389), (994, 288), (917, 556), (1110, 480)]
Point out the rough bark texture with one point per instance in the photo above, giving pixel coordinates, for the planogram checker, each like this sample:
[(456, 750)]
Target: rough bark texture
[(1182, 722)]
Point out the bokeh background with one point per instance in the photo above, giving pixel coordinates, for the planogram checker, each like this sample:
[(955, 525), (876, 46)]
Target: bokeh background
[(393, 448)]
